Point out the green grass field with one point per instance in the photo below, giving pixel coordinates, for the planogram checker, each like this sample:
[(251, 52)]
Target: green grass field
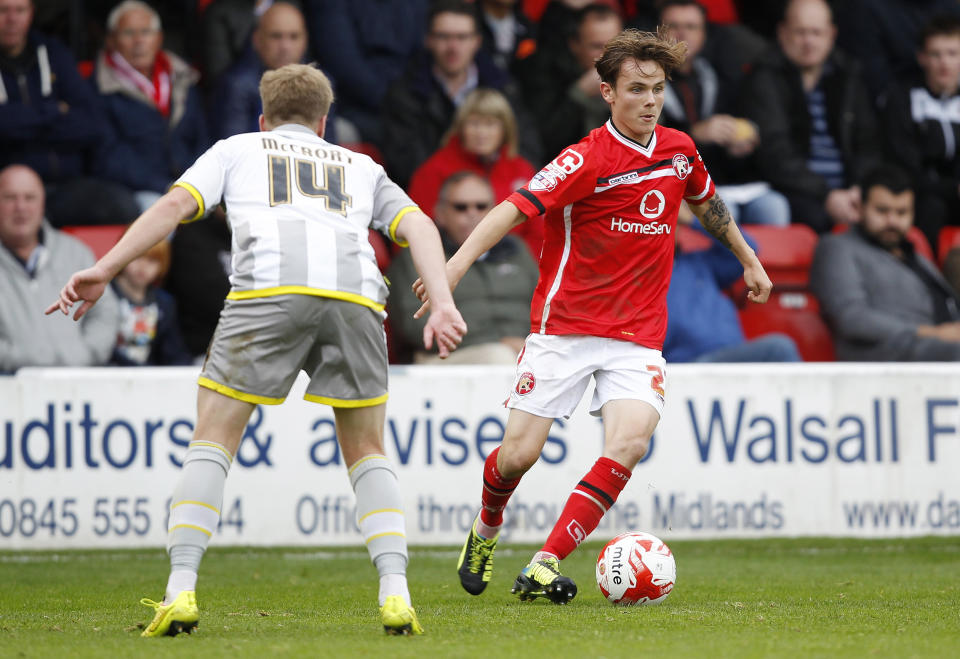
[(759, 598)]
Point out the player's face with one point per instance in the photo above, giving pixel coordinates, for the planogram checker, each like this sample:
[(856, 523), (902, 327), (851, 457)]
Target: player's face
[(463, 206), (15, 17), (686, 24), (807, 34), (21, 208), (636, 100), (940, 60), (887, 216), (136, 38), (592, 36), (482, 135), (453, 41), (281, 37)]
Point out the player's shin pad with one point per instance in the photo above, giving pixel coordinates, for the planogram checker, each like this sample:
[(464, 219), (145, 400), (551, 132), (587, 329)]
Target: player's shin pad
[(195, 506), (380, 513)]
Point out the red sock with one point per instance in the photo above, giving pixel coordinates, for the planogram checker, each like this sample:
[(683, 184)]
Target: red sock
[(496, 491), (591, 498)]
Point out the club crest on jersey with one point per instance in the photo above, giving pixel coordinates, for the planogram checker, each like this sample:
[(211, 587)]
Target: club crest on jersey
[(652, 204), (556, 170), (681, 166), (525, 383)]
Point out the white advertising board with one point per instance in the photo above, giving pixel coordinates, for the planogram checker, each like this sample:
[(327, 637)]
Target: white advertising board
[(88, 458)]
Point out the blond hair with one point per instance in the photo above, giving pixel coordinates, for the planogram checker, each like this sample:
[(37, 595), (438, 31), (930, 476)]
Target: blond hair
[(657, 47), (486, 102), (295, 93)]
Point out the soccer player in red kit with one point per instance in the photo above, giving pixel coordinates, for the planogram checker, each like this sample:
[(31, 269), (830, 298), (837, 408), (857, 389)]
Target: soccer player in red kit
[(611, 204)]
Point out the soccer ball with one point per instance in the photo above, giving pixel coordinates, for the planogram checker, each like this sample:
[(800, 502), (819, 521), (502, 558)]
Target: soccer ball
[(636, 568)]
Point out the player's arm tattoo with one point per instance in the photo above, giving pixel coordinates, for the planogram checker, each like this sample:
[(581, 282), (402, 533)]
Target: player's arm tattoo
[(715, 219)]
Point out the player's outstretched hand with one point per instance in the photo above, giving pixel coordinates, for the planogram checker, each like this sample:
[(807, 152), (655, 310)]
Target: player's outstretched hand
[(420, 290), (85, 286), (758, 283), (445, 326)]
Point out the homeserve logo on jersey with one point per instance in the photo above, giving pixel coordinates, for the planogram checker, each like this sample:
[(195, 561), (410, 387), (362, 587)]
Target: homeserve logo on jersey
[(651, 206), (556, 170)]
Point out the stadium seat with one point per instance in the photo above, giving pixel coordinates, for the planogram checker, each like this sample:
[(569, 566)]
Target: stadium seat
[(692, 240), (914, 235), (796, 314), (365, 148), (381, 249), (949, 238), (99, 238), (786, 254)]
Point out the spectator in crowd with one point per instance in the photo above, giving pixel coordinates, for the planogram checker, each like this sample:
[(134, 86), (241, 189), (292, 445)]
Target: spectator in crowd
[(34, 260), (493, 297), (697, 103), (884, 35), (365, 46), (148, 333), (883, 301), (482, 139), (557, 23), (703, 325), (818, 130), (50, 121), (923, 113), (226, 27), (562, 89), (508, 35), (419, 107), (280, 38), (199, 278), (156, 125)]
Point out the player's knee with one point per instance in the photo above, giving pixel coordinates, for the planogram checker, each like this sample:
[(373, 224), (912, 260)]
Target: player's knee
[(516, 461), (629, 449)]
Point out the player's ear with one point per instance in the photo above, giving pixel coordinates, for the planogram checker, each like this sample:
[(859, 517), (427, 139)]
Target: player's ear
[(322, 126), (606, 91), (262, 123)]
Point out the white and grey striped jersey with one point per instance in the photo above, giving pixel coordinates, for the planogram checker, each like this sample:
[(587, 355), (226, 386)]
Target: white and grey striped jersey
[(300, 210)]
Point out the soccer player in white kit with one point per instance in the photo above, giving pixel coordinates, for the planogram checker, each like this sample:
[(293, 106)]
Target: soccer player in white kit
[(599, 310), (306, 294)]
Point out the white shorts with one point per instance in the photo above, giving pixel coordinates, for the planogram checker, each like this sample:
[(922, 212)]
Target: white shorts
[(554, 371)]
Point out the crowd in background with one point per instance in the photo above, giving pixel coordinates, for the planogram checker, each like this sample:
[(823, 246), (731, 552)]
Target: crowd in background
[(793, 105)]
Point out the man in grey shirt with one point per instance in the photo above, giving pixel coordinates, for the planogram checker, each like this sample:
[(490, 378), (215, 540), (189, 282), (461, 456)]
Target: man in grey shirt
[(883, 301), (35, 259)]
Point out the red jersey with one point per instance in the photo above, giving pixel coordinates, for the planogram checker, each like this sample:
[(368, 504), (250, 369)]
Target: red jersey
[(611, 211)]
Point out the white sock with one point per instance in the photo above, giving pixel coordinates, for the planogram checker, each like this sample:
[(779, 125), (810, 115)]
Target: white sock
[(179, 581), (394, 584), (487, 532), (541, 555)]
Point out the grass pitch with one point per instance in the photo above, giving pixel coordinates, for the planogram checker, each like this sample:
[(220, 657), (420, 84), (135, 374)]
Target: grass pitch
[(756, 598)]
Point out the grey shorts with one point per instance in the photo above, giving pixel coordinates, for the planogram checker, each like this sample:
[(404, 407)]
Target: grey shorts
[(261, 345)]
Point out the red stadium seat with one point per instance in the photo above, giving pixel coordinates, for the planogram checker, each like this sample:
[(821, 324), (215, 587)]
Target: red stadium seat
[(365, 148), (949, 239), (786, 254), (381, 249), (692, 240), (796, 314), (98, 238)]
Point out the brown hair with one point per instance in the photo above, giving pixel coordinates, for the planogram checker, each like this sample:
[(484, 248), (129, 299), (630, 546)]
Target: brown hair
[(657, 47), (485, 102), (295, 93), (160, 253)]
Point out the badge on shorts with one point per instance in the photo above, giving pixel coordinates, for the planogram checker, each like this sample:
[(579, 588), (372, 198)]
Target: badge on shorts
[(526, 383)]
